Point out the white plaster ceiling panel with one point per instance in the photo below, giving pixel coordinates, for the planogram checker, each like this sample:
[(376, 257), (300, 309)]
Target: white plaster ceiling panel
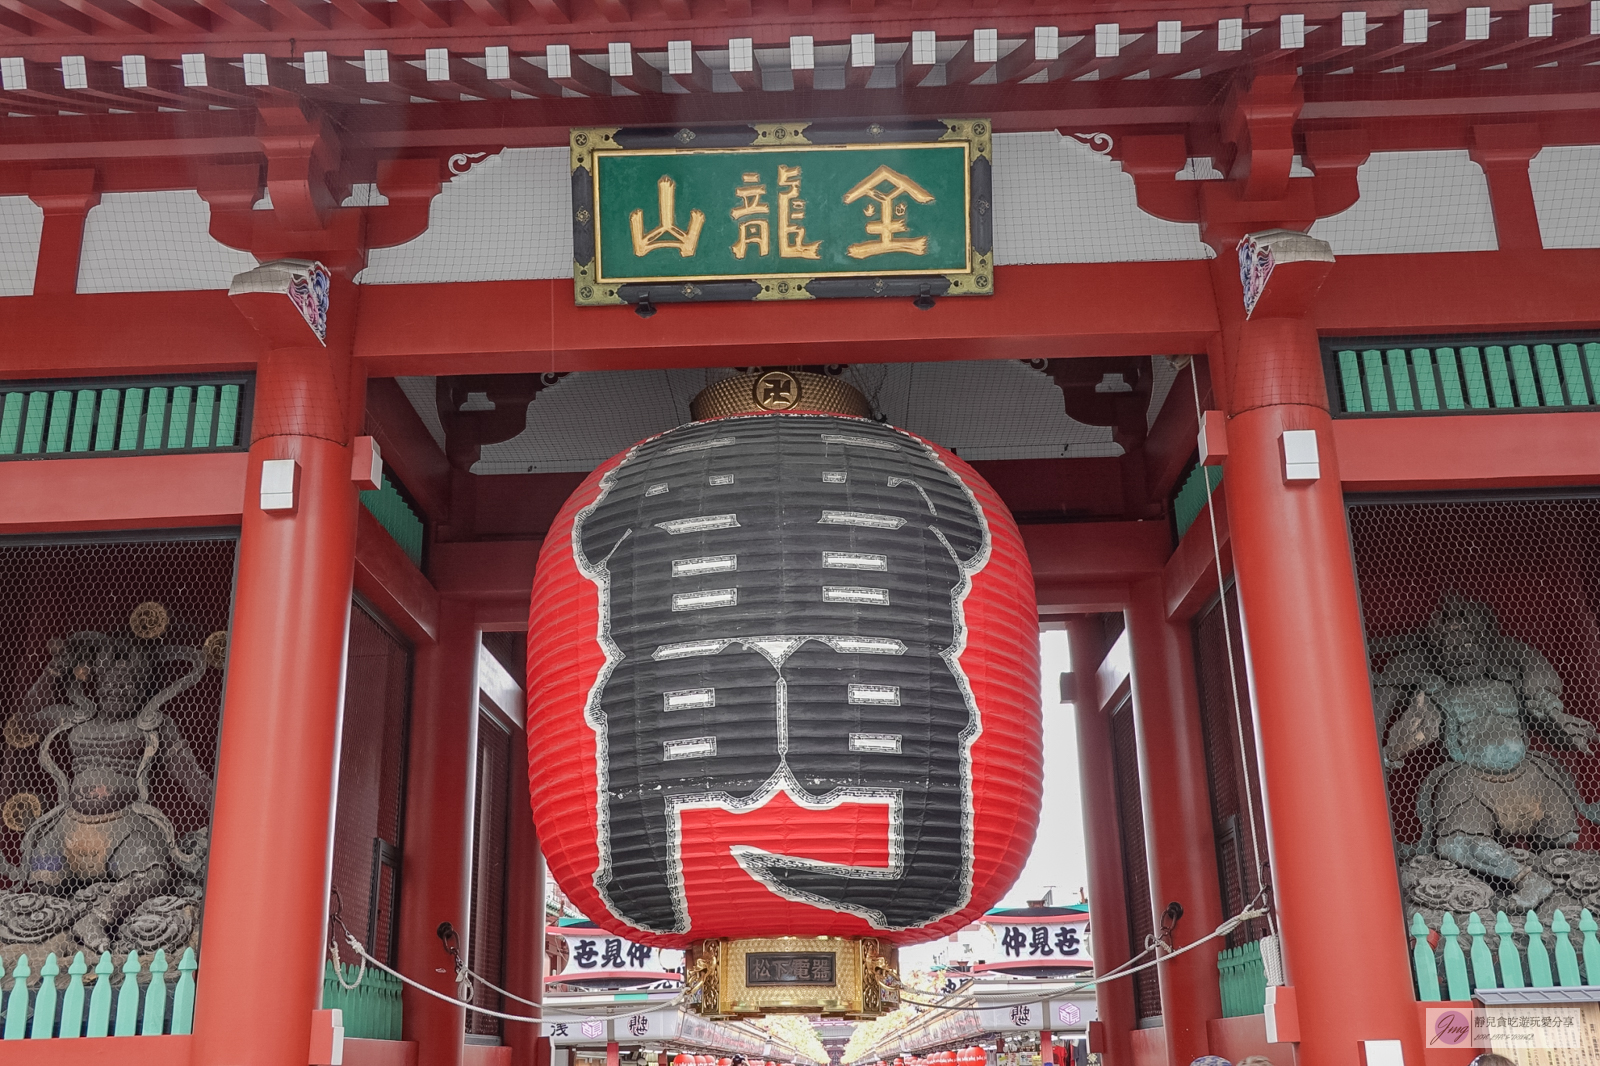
[(1566, 192), (155, 241), (508, 217), (585, 418), (1057, 200), (1414, 202), (998, 409), (21, 223)]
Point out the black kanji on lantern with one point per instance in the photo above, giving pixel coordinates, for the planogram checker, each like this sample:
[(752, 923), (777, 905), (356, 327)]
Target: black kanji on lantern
[(782, 606)]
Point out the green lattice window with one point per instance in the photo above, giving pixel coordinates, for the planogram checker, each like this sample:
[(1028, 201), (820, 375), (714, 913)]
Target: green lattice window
[(1459, 376), (394, 513), (1191, 497), (81, 419)]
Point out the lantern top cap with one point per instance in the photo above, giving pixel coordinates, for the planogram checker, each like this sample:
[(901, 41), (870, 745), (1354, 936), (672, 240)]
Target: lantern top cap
[(778, 390)]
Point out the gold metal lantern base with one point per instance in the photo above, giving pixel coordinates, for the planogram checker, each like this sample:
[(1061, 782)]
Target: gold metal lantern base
[(835, 977)]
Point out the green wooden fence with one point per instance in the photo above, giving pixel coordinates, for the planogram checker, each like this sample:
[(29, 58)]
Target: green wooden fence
[(1458, 955), (85, 419), (372, 1009), (151, 999), (1462, 378), (1243, 978)]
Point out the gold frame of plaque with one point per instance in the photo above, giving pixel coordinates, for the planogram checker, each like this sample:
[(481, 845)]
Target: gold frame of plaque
[(765, 211), (777, 975)]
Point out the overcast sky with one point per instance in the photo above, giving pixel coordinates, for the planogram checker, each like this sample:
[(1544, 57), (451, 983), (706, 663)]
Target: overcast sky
[(1057, 859)]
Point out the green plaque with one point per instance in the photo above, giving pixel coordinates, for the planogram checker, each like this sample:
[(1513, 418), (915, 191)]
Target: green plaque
[(781, 211)]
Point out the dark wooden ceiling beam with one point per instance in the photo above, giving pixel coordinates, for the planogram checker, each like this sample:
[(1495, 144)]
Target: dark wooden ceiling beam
[(182, 15), (51, 17)]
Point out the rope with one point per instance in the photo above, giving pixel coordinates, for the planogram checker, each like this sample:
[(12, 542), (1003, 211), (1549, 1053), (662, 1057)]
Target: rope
[(1233, 672), (338, 964), (355, 946), (496, 988)]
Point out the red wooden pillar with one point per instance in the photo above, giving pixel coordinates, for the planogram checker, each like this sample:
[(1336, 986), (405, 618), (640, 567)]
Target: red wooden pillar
[(267, 884), (525, 922), (1327, 811), (1108, 908), (1178, 833), (436, 862)]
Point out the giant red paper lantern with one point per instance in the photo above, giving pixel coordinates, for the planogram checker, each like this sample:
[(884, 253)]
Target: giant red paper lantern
[(783, 679)]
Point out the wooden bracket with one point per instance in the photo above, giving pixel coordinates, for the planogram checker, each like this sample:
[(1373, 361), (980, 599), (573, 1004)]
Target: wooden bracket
[(1258, 120), (65, 197), (1153, 162), (1504, 151)]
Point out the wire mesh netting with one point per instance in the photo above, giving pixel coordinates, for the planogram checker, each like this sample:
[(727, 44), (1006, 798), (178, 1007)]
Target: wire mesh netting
[(1482, 627), (111, 676)]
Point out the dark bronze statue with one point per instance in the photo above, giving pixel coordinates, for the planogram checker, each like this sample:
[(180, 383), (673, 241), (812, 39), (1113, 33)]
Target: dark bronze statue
[(103, 845), (1496, 805)]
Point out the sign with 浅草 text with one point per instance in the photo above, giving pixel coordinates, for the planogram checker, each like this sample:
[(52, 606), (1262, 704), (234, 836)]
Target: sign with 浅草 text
[(781, 212)]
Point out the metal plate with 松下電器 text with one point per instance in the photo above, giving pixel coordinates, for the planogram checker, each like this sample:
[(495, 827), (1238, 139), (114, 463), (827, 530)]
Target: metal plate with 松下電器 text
[(788, 968)]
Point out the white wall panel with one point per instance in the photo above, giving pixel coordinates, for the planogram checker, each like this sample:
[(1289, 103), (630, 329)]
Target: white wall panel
[(1056, 200), (1415, 202), (1566, 191), (21, 222), (508, 218), (153, 241)]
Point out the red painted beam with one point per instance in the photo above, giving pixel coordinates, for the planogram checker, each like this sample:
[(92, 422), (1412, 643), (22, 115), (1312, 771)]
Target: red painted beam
[(122, 492), (1062, 310), (1460, 292), (386, 577), (124, 333), (1468, 452), (495, 576), (1190, 577), (1085, 566), (105, 1051), (524, 326)]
